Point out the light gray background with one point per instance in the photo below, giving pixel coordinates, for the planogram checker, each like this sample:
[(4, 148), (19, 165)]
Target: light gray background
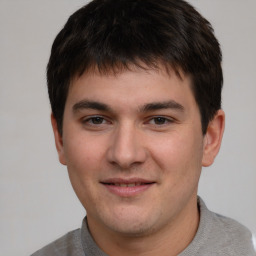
[(37, 201)]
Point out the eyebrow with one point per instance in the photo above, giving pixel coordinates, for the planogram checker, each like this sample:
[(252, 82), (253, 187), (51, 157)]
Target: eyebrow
[(86, 104), (162, 105)]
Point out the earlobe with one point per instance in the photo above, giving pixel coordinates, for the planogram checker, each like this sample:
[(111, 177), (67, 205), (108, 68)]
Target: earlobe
[(213, 138), (58, 141)]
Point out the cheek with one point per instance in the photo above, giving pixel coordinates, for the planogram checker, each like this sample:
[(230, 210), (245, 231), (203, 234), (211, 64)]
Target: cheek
[(169, 149), (83, 153), (179, 153), (83, 167), (84, 159)]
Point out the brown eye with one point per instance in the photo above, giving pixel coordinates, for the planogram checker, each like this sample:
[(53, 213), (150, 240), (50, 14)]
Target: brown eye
[(96, 120), (159, 120)]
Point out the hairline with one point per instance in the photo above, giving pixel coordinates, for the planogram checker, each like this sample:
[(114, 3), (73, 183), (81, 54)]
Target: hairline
[(117, 69)]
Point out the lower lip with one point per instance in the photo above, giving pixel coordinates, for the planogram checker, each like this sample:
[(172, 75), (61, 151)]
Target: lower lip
[(128, 191)]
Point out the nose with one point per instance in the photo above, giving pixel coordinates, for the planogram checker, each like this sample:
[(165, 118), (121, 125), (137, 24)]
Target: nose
[(126, 148)]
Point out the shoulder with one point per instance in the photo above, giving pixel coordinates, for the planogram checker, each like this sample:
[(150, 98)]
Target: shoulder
[(223, 235), (230, 227), (67, 245), (218, 235), (231, 236)]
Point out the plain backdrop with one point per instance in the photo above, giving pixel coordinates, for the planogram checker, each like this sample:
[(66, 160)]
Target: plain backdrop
[(37, 202)]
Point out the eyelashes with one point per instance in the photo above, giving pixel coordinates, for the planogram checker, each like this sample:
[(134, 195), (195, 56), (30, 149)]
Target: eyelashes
[(99, 121), (160, 120), (95, 120)]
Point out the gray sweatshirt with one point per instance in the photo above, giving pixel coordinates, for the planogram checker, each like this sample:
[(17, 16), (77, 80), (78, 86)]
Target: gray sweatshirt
[(216, 236)]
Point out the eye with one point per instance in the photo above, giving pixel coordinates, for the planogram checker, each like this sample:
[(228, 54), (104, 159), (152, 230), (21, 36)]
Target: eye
[(159, 120), (95, 120)]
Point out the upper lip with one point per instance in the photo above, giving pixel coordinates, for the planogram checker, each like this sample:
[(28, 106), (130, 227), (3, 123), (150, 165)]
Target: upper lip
[(126, 181)]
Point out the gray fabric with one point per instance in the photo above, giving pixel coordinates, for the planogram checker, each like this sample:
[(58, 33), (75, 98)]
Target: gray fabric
[(216, 236), (68, 245), (219, 236)]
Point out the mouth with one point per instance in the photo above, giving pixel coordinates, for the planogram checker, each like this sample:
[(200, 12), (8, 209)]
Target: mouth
[(127, 184), (127, 188)]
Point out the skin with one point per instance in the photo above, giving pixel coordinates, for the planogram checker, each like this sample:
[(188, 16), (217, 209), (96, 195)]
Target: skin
[(133, 126)]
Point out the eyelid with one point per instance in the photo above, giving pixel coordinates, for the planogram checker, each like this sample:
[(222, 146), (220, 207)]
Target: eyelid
[(87, 119), (168, 119)]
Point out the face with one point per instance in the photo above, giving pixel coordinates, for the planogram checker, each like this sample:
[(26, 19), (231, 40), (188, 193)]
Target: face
[(134, 148)]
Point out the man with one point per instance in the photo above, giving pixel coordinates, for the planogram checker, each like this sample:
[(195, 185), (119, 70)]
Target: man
[(135, 90)]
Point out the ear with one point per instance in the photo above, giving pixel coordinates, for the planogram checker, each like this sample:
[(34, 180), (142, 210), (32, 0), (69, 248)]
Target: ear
[(213, 138), (58, 141)]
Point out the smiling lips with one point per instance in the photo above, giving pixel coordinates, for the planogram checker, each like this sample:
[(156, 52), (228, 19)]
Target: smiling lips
[(128, 185), (127, 188)]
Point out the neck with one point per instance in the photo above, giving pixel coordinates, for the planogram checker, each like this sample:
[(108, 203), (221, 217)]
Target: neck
[(169, 241)]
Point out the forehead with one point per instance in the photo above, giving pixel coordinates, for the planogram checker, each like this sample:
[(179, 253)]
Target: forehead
[(116, 69), (132, 88), (137, 71)]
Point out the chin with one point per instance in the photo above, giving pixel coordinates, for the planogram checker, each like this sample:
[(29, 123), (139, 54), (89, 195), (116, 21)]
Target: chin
[(133, 230), (132, 225)]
